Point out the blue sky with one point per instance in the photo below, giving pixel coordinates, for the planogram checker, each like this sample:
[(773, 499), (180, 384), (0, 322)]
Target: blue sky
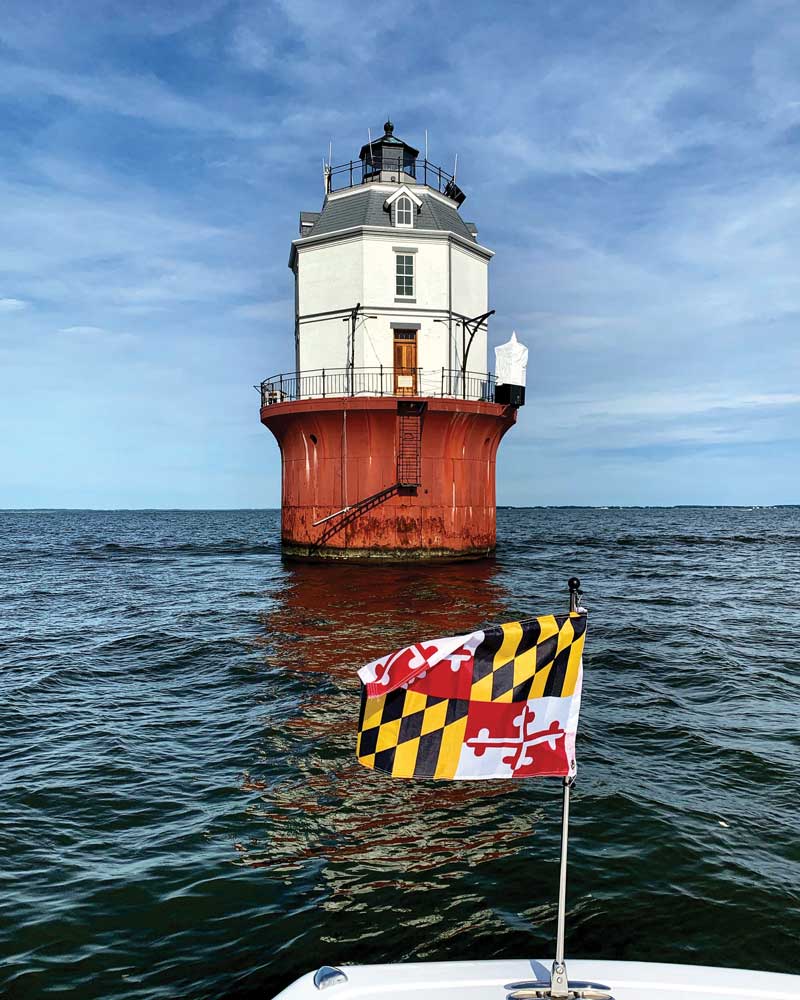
[(634, 165)]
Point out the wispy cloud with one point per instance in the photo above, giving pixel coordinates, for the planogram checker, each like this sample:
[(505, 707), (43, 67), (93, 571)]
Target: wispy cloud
[(12, 305), (260, 311), (49, 25), (98, 336), (142, 96), (84, 331)]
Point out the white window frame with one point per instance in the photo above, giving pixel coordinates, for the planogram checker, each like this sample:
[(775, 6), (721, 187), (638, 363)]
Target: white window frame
[(405, 207), (403, 271)]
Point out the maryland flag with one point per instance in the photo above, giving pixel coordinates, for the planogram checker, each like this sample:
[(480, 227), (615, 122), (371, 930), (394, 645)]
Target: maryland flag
[(502, 703)]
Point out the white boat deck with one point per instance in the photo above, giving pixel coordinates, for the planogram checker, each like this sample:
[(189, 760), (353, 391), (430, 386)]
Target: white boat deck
[(495, 979)]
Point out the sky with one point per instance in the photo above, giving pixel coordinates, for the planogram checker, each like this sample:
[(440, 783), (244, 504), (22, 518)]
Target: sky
[(634, 166)]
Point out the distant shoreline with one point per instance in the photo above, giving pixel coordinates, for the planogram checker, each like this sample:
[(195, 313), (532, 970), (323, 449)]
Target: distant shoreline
[(276, 510)]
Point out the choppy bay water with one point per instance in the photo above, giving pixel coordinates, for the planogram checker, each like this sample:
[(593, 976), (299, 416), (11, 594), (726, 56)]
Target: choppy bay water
[(182, 816)]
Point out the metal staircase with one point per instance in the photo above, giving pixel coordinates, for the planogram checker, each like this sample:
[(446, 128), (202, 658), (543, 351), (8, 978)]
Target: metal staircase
[(409, 440)]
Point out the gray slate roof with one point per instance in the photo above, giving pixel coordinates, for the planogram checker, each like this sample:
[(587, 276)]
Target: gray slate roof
[(365, 208), (307, 220)]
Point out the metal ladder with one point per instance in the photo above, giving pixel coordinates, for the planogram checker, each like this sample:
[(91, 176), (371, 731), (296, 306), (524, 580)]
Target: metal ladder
[(409, 441)]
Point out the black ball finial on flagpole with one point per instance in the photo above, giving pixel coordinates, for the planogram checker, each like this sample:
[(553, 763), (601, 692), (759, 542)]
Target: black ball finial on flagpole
[(574, 585)]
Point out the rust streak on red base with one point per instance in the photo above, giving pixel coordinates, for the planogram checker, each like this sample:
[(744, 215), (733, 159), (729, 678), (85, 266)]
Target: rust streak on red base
[(337, 452)]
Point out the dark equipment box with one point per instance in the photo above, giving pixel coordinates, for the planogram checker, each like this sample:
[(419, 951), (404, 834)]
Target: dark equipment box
[(509, 395)]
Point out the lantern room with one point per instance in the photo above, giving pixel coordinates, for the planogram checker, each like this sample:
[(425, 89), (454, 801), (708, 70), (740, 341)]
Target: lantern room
[(388, 157)]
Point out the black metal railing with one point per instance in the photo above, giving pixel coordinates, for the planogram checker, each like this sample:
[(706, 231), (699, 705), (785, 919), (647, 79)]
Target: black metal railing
[(381, 381), (356, 172)]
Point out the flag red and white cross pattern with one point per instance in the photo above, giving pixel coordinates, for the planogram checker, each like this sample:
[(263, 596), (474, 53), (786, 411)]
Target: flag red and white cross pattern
[(498, 703)]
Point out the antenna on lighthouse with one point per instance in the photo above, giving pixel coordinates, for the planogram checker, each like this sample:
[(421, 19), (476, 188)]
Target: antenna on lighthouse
[(371, 157), (455, 169)]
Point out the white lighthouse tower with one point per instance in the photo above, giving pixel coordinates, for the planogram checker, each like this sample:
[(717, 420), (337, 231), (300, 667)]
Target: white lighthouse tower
[(393, 255), (390, 424)]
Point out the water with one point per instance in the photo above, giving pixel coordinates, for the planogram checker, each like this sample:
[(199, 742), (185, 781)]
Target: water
[(182, 815)]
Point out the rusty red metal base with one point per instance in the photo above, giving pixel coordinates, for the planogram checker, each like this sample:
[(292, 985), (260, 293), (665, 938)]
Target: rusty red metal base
[(339, 457)]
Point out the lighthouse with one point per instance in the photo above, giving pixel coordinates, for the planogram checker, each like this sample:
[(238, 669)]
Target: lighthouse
[(389, 426)]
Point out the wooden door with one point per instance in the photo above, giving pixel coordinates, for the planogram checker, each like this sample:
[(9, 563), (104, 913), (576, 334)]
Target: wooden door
[(405, 362)]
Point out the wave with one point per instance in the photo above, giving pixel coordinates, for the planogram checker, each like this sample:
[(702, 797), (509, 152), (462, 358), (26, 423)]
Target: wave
[(659, 541), (228, 547)]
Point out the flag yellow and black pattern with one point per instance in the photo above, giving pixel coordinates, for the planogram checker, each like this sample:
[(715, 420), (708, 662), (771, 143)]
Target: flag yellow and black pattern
[(419, 731), (411, 734), (537, 658)]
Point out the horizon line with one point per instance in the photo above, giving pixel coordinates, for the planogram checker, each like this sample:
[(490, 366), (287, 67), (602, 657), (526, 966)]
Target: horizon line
[(554, 506)]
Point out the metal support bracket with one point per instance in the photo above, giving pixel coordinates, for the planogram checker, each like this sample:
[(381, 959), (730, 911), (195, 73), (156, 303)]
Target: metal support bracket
[(559, 987), (538, 989), (473, 325)]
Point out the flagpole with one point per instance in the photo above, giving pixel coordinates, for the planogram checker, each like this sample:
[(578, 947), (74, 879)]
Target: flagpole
[(559, 986), (562, 882), (574, 585)]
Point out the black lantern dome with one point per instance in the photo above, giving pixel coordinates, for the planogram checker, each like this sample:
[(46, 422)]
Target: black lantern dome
[(388, 154)]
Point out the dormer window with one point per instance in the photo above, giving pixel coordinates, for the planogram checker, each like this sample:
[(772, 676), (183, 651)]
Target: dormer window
[(403, 205), (404, 212)]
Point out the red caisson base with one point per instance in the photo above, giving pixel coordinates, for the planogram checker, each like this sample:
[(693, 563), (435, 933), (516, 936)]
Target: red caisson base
[(340, 458)]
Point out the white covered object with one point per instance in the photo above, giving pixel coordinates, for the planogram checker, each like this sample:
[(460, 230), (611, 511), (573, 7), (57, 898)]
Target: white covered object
[(511, 362)]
